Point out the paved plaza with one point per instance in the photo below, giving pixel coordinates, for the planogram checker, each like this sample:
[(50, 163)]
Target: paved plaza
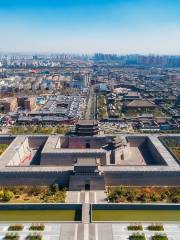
[(120, 232), (100, 231), (86, 197), (52, 231)]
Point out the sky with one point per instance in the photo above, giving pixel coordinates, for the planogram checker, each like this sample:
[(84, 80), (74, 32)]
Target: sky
[(89, 26)]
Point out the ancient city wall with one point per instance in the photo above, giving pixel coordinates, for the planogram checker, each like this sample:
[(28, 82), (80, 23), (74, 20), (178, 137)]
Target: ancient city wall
[(79, 142), (37, 141), (155, 153), (35, 178), (146, 178), (20, 153), (143, 178), (135, 141), (69, 158)]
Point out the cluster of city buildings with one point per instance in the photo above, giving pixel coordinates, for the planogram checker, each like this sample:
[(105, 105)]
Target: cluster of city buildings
[(58, 109), (32, 73), (60, 89), (139, 60), (147, 98)]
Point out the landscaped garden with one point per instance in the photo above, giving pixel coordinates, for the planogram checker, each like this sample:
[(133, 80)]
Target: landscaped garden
[(11, 236), (135, 215), (15, 236), (16, 227), (37, 227), (159, 237), (143, 194), (156, 227), (34, 236), (137, 236), (173, 145), (3, 148), (33, 194), (135, 228), (152, 227)]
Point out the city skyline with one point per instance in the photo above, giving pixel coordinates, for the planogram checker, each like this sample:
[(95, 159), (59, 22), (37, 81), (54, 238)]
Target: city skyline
[(117, 26)]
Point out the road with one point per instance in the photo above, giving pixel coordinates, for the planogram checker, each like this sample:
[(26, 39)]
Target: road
[(91, 106)]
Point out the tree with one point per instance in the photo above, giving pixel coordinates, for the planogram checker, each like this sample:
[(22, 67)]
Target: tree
[(54, 188), (1, 195), (120, 190), (130, 196), (8, 195), (155, 197), (176, 199)]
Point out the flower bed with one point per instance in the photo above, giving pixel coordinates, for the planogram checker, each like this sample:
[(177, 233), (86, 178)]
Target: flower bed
[(37, 227), (135, 228), (159, 237), (137, 236), (17, 227), (11, 236), (34, 236), (156, 228)]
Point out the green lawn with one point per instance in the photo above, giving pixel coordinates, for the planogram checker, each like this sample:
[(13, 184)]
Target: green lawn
[(134, 215), (40, 215)]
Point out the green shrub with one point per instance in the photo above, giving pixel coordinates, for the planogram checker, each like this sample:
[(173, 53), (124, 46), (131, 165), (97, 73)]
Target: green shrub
[(156, 197), (34, 190), (156, 228), (34, 236), (8, 195), (143, 194), (37, 227), (1, 195), (11, 236), (176, 198), (17, 227), (159, 237), (137, 236), (33, 194), (54, 188), (135, 228)]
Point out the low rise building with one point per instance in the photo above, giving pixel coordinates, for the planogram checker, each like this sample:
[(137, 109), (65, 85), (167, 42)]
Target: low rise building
[(8, 104), (140, 104), (26, 103)]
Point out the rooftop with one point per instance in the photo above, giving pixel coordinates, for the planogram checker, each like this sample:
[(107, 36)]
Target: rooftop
[(141, 103), (87, 122), (86, 162)]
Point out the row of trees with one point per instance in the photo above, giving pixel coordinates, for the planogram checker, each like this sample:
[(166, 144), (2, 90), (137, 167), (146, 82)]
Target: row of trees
[(143, 194), (102, 107), (33, 194), (32, 129)]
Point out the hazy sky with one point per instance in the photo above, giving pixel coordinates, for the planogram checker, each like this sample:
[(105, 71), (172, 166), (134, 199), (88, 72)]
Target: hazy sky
[(88, 26)]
